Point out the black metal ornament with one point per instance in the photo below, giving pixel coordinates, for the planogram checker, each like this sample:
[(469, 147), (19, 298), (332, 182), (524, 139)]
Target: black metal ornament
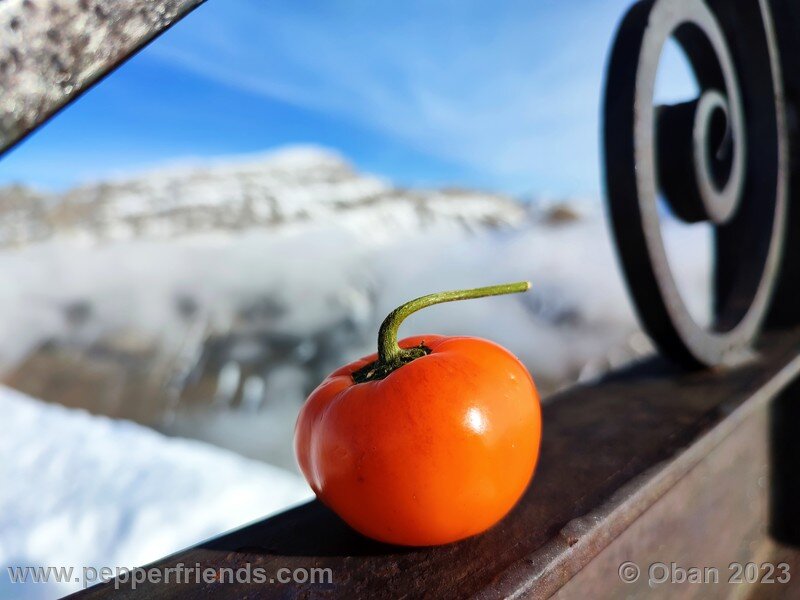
[(720, 158)]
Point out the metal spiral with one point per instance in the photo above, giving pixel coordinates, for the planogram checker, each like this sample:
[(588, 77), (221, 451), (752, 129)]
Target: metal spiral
[(720, 158)]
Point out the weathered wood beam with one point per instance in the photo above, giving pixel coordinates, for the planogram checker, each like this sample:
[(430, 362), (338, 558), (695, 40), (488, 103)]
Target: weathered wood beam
[(51, 51), (640, 467)]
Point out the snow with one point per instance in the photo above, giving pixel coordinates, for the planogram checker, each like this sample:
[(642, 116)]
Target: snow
[(81, 490)]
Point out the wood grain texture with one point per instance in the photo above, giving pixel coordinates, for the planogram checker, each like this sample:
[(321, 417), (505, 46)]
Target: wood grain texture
[(609, 452), (53, 50)]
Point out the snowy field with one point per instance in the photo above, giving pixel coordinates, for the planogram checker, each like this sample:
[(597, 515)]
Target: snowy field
[(84, 491)]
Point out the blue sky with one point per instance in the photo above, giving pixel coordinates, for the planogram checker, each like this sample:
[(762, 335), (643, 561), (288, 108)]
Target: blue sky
[(497, 95)]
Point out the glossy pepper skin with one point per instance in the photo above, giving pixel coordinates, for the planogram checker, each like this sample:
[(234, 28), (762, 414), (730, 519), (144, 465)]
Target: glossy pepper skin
[(439, 450)]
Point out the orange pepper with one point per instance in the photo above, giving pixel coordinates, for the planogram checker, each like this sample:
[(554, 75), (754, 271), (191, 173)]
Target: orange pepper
[(430, 441)]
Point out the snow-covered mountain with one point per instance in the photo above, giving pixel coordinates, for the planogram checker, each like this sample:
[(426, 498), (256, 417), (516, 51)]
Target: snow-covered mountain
[(208, 299), (294, 186)]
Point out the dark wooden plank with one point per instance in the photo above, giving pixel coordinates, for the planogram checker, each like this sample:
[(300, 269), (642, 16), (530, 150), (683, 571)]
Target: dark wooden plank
[(609, 452), (716, 515), (713, 515)]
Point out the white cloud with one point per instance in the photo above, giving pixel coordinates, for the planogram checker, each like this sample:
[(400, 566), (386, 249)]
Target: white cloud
[(511, 90)]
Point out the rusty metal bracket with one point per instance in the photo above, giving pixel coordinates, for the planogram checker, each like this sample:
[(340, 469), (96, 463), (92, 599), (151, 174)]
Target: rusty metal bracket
[(51, 51)]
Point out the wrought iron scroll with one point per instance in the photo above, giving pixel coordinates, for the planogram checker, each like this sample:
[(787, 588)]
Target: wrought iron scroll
[(721, 158)]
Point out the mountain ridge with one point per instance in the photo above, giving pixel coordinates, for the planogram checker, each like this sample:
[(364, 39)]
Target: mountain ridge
[(292, 185)]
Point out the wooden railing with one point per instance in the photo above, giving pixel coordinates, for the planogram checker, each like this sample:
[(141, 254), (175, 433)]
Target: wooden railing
[(650, 465), (694, 465)]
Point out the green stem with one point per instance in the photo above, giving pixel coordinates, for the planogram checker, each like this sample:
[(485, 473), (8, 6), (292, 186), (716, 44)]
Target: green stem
[(391, 356)]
